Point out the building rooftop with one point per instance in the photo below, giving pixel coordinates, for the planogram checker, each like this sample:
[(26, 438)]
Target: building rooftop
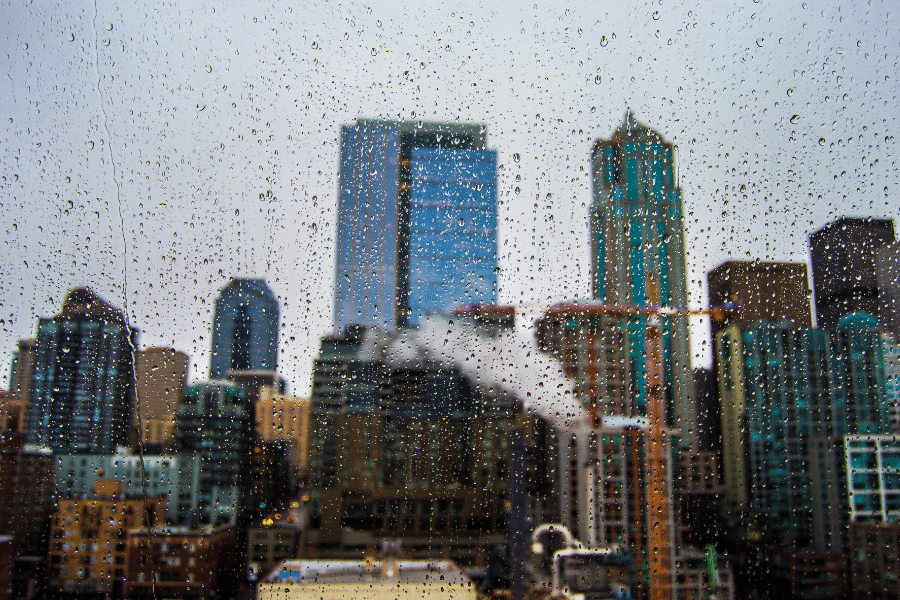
[(401, 572)]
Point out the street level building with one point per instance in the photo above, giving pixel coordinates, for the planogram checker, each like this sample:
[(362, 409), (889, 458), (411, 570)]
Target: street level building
[(26, 497), (379, 580), (83, 388), (88, 539), (180, 562), (245, 328), (874, 563), (844, 271), (416, 223)]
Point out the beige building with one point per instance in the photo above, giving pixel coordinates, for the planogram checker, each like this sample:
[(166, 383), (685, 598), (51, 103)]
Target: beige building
[(13, 413), (373, 580), (87, 538), (281, 417), (162, 375)]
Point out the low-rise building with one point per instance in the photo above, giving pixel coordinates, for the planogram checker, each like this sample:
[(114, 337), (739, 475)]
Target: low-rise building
[(376, 580), (179, 562), (87, 538), (874, 562), (26, 497)]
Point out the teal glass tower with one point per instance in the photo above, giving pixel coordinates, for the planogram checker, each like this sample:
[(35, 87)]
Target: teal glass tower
[(637, 246)]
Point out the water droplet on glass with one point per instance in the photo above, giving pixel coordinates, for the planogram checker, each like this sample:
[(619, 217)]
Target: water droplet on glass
[(209, 68), (374, 51), (790, 91), (516, 157), (795, 119), (760, 42), (655, 15), (603, 41), (821, 141), (597, 79)]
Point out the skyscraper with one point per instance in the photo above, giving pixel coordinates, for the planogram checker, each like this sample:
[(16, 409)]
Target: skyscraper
[(416, 224), (83, 389), (760, 291), (637, 251), (843, 267), (245, 328)]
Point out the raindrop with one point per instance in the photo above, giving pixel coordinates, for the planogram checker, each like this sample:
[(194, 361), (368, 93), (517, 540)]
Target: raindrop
[(603, 41), (209, 68), (655, 15), (597, 79), (71, 37), (760, 41), (374, 51), (790, 91), (516, 157), (795, 119), (90, 145), (315, 45), (821, 141)]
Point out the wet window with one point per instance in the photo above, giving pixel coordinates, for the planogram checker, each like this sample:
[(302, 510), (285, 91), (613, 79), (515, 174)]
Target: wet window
[(527, 301)]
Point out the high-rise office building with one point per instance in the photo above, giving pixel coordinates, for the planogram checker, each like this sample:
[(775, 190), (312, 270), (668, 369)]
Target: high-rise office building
[(215, 423), (416, 223), (162, 375), (759, 291), (843, 267), (887, 268), (786, 388), (245, 328), (83, 389), (637, 255)]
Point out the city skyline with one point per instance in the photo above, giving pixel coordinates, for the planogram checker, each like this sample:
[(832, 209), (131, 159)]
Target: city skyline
[(775, 136)]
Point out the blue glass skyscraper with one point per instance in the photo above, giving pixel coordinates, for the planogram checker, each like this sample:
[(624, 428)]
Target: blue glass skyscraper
[(245, 328), (417, 222)]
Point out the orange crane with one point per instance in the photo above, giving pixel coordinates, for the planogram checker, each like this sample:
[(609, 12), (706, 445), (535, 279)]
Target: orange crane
[(660, 542)]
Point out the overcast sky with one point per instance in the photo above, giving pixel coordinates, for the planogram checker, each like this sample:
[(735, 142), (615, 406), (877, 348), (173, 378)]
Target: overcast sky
[(138, 146)]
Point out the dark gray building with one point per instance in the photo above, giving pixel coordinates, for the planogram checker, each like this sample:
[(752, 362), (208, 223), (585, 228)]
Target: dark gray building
[(760, 291), (887, 267), (83, 388), (843, 266)]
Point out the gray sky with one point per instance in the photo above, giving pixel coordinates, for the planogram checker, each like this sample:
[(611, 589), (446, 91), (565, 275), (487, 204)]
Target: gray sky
[(138, 145)]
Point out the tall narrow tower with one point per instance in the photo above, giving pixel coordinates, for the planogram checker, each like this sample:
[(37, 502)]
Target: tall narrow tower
[(637, 250)]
